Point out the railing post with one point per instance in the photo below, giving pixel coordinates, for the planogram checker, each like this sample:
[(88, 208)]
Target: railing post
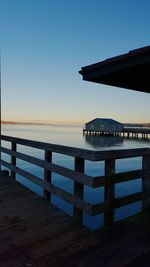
[(0, 144), (47, 174), (109, 192), (146, 182), (78, 189), (13, 160)]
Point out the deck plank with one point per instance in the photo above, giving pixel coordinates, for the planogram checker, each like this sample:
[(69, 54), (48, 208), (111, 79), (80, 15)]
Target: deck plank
[(35, 233)]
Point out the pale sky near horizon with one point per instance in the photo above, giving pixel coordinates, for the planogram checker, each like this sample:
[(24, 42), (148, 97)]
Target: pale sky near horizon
[(44, 43)]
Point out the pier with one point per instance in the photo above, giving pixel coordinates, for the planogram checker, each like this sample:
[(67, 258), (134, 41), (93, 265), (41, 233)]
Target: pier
[(130, 132), (36, 233), (140, 132), (78, 176)]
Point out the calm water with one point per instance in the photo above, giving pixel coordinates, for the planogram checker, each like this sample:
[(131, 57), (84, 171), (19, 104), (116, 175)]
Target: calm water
[(73, 136), (70, 136)]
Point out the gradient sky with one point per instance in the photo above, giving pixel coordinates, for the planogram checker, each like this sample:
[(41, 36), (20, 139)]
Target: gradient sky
[(44, 43)]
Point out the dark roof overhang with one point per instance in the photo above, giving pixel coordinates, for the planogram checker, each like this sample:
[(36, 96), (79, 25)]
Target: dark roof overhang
[(131, 71)]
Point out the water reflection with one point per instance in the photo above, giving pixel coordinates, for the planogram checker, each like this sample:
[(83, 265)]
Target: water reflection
[(103, 141), (72, 136), (138, 140)]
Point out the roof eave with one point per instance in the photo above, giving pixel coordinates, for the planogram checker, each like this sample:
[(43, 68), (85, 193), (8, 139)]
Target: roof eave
[(130, 71)]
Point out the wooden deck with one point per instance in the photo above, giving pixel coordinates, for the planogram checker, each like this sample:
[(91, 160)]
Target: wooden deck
[(34, 233)]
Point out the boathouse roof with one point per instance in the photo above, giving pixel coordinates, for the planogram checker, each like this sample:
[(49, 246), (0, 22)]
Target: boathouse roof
[(108, 121), (131, 71)]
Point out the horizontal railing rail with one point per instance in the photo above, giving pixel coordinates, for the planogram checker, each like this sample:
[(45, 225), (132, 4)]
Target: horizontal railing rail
[(79, 178), (79, 152)]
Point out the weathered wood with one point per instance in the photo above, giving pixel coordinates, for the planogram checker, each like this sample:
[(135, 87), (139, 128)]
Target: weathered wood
[(77, 176), (70, 151), (74, 175), (35, 233), (109, 193), (121, 201), (75, 200), (78, 189), (80, 153), (99, 181), (146, 181), (26, 174), (127, 176), (119, 177), (120, 154), (47, 174), (97, 209), (80, 179), (13, 159)]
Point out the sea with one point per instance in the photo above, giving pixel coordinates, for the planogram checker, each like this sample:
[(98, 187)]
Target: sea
[(72, 135)]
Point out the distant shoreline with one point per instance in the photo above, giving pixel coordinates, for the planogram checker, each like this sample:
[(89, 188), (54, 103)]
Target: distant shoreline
[(42, 123), (8, 122), (69, 124)]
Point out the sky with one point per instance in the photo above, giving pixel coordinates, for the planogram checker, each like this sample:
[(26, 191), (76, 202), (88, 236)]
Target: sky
[(44, 43)]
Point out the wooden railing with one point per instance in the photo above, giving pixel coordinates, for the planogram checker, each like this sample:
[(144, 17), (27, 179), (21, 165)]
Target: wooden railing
[(79, 178)]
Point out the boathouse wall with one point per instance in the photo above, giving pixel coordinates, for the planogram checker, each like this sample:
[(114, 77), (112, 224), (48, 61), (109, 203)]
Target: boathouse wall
[(104, 125)]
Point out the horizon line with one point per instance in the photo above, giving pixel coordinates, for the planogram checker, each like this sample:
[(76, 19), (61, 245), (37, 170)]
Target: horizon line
[(42, 122), (58, 122)]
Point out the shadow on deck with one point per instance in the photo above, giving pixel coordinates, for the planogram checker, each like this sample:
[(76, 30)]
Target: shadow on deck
[(35, 233)]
